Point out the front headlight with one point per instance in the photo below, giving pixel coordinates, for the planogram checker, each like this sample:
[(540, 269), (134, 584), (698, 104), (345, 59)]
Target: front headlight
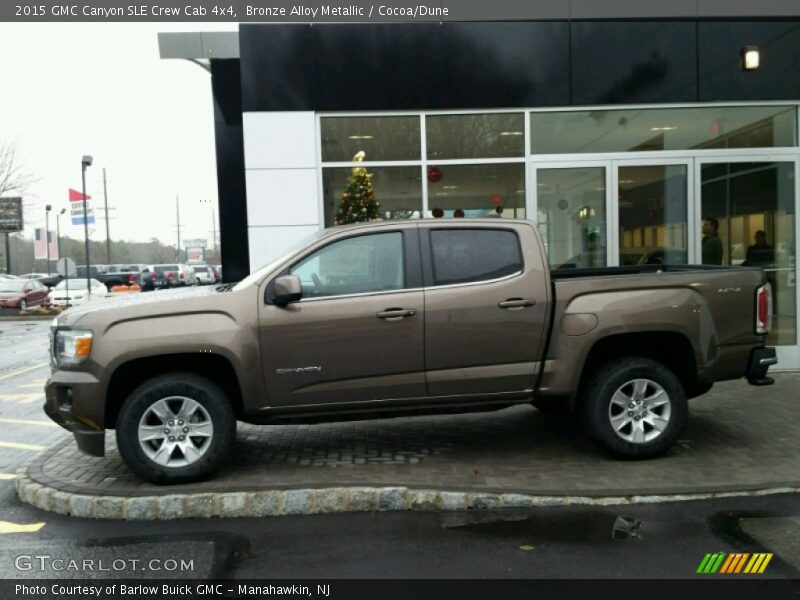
[(72, 346)]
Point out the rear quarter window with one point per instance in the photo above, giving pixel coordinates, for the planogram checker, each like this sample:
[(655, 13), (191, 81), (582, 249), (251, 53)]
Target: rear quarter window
[(472, 255)]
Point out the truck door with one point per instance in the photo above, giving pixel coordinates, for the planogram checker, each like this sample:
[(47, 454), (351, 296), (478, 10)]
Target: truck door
[(486, 307), (357, 333)]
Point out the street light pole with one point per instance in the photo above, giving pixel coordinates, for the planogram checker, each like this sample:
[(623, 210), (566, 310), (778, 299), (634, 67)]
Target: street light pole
[(86, 161), (58, 231), (47, 234), (178, 217), (108, 235)]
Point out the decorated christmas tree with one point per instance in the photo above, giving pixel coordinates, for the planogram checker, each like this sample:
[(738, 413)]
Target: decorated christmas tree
[(358, 199)]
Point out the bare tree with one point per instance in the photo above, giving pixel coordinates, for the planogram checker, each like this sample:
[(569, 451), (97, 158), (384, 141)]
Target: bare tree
[(15, 179)]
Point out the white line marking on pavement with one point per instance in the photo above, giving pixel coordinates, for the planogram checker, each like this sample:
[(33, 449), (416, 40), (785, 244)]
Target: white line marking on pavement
[(35, 384), (28, 422), (7, 476), (21, 398), (20, 446), (9, 527), (21, 371)]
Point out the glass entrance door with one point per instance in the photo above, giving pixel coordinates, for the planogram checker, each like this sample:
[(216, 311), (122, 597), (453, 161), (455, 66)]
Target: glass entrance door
[(651, 211), (747, 209), (571, 208)]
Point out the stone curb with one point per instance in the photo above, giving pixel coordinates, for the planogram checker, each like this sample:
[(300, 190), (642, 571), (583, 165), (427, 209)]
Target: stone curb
[(315, 501)]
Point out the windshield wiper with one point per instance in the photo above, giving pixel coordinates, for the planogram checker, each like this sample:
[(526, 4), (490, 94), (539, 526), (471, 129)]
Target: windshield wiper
[(226, 287)]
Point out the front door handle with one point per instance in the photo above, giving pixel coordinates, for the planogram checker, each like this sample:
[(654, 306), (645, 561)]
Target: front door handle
[(516, 303), (395, 314)]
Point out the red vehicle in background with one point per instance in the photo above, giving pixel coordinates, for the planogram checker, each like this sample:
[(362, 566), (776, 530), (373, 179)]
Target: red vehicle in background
[(22, 294)]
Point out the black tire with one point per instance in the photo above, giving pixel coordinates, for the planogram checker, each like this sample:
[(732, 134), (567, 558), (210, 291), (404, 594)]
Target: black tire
[(553, 406), (604, 383), (203, 391)]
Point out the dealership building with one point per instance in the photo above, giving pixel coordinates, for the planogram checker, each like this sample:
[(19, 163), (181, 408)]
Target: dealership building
[(617, 128)]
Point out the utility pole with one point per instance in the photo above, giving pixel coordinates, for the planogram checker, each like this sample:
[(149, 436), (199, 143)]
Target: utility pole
[(108, 235), (214, 230), (178, 214)]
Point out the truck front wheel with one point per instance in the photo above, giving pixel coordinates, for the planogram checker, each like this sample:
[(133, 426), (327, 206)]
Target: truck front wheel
[(635, 407), (176, 428)]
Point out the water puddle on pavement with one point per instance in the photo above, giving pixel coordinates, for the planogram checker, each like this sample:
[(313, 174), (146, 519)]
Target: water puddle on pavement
[(583, 526)]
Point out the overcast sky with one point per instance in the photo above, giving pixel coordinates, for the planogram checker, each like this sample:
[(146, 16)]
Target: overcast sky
[(101, 89)]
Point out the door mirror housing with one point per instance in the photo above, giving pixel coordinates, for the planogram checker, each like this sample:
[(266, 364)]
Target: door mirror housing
[(287, 289)]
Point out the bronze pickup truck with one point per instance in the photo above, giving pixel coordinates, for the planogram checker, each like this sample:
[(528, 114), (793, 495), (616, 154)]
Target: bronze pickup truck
[(405, 317)]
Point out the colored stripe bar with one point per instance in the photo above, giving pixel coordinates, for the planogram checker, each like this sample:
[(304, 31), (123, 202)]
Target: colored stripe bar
[(703, 563), (731, 563), (727, 564), (716, 564), (765, 563), (740, 564)]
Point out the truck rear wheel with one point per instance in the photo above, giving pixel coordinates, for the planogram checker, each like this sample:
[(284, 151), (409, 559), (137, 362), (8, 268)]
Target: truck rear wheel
[(176, 428), (635, 407)]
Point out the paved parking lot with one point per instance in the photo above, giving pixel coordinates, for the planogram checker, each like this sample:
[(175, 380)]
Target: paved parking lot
[(739, 438)]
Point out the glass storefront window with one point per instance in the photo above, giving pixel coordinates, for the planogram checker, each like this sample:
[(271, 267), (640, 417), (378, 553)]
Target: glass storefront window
[(380, 138), (493, 135), (652, 214), (490, 190), (749, 219), (572, 215), (652, 129), (397, 189)]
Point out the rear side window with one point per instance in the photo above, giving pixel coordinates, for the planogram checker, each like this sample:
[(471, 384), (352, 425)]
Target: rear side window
[(469, 255)]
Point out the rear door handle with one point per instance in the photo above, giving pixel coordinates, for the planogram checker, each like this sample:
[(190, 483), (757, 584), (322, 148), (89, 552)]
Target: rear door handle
[(516, 303), (395, 314)]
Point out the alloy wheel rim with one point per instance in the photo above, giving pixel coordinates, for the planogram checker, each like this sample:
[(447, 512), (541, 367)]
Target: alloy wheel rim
[(175, 431), (639, 411)]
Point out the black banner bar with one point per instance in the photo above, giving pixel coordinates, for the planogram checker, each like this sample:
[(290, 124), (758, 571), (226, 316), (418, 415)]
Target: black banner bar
[(731, 588), (322, 11)]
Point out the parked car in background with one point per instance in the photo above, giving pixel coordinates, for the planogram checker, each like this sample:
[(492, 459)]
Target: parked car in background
[(73, 292), (6, 277), (22, 293), (121, 274), (203, 274), (43, 278), (173, 275)]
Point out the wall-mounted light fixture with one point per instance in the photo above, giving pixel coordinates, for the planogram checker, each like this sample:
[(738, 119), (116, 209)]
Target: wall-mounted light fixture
[(751, 58)]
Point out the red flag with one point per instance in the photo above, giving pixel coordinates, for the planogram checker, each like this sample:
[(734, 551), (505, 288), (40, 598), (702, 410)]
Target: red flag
[(76, 196)]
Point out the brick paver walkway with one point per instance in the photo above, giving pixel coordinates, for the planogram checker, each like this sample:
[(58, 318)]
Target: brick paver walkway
[(739, 437)]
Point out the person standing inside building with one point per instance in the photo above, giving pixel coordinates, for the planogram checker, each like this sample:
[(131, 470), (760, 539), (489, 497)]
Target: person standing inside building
[(712, 245), (761, 253)]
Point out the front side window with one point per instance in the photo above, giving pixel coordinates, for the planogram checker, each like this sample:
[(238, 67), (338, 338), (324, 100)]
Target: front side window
[(357, 265), (470, 255)]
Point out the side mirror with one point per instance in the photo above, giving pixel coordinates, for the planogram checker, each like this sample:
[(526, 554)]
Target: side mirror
[(287, 289), (27, 290)]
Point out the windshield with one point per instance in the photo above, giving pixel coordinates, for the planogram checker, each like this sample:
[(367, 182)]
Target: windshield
[(11, 285), (296, 247)]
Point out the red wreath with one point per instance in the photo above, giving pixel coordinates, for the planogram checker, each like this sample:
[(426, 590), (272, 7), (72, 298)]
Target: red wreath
[(496, 198), (434, 174)]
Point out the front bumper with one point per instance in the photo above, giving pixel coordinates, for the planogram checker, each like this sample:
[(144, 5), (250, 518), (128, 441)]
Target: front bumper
[(73, 399), (761, 359)]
